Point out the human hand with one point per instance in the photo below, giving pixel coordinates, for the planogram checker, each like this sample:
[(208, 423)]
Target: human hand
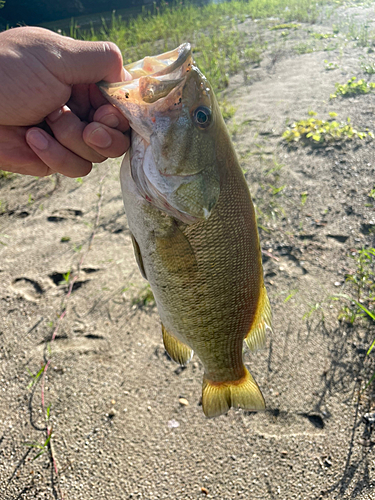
[(53, 117)]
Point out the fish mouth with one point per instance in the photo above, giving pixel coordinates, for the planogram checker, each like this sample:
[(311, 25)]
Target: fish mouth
[(153, 78)]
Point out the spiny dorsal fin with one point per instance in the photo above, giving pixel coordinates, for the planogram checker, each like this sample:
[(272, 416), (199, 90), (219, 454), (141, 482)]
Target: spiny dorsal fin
[(217, 398), (178, 351), (256, 338)]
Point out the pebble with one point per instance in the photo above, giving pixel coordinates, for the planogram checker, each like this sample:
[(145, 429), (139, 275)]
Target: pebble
[(173, 424), (183, 402)]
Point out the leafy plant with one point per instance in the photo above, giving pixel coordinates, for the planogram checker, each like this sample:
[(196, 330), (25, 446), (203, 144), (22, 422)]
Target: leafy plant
[(330, 65), (322, 36), (368, 66), (320, 132), (353, 87), (145, 298)]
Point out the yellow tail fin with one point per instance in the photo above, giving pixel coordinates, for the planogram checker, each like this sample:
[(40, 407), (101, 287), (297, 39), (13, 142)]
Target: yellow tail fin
[(218, 397)]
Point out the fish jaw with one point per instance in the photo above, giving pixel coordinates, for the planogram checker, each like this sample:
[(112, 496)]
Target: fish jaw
[(173, 162)]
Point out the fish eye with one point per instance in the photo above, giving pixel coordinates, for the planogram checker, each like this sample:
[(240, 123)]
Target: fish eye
[(202, 116)]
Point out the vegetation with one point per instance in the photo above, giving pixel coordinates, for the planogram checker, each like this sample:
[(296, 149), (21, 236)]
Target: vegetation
[(220, 47), (353, 87), (321, 132)]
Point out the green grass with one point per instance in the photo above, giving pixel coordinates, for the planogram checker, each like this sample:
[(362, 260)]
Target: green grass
[(220, 48)]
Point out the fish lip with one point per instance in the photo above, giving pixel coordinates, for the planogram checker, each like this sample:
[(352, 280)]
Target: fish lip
[(183, 52)]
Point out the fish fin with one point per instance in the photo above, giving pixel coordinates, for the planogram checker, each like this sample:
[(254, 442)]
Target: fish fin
[(218, 397), (176, 350), (177, 254), (256, 337), (138, 256)]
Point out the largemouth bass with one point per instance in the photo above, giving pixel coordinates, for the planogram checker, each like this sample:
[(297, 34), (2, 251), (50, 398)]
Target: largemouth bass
[(193, 225)]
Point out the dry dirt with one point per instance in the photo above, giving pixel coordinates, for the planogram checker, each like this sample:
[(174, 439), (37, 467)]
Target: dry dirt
[(119, 430)]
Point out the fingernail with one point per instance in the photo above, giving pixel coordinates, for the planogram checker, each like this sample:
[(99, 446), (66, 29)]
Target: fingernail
[(37, 139), (125, 75), (55, 115), (110, 120), (100, 138)]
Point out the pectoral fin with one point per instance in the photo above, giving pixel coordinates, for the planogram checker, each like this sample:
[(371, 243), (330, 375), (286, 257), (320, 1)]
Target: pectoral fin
[(178, 351), (256, 338), (138, 256)]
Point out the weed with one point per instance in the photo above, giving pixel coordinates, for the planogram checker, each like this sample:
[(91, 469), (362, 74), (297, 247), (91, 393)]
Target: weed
[(5, 175), (368, 66), (64, 239), (227, 110), (42, 447), (304, 196), (322, 36), (321, 132), (330, 65), (285, 26), (290, 295), (35, 377), (304, 48), (353, 87), (145, 298)]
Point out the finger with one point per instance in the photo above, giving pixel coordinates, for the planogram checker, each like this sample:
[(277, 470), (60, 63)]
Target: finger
[(90, 62), (16, 156), (67, 129), (112, 117), (55, 156), (105, 140)]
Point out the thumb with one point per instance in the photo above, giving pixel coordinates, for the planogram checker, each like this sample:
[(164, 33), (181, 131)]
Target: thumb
[(90, 62)]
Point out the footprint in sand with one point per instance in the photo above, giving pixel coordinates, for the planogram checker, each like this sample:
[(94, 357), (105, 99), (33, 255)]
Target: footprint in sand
[(27, 288)]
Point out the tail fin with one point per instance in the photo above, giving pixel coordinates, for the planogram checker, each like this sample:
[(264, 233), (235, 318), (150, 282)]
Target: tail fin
[(218, 397)]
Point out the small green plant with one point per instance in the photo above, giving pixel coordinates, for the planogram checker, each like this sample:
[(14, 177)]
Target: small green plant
[(34, 378), (304, 196), (353, 87), (145, 298), (227, 110), (42, 447), (321, 132), (322, 36), (360, 302), (304, 48), (285, 26), (368, 66), (65, 239), (329, 66)]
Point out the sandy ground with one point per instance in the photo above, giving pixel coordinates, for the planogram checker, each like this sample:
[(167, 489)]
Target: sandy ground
[(119, 430)]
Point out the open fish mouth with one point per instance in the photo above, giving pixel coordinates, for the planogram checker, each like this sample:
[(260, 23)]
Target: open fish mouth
[(153, 78)]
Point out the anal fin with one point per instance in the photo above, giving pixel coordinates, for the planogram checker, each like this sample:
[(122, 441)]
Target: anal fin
[(176, 349), (256, 337), (219, 397)]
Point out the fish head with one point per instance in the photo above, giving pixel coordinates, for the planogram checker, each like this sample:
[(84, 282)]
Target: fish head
[(174, 118)]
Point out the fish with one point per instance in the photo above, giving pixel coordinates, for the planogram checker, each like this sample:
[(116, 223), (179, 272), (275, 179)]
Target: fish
[(193, 225)]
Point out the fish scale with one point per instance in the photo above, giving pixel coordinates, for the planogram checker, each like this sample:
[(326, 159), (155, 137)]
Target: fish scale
[(193, 226)]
